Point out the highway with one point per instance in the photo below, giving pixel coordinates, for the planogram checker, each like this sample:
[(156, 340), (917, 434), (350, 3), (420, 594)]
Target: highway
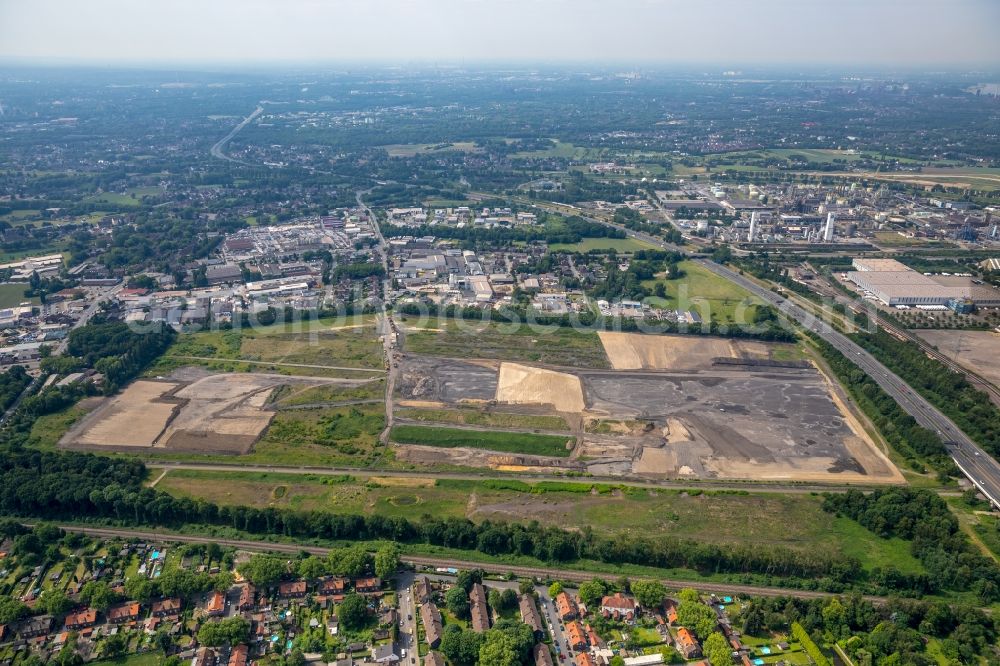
[(980, 468), (216, 150), (975, 463)]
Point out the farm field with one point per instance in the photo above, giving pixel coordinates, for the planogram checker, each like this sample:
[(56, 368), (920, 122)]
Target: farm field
[(706, 293), (508, 342), (795, 521)]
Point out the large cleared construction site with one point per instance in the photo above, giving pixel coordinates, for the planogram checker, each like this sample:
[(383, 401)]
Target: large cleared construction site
[(669, 407), (190, 410)]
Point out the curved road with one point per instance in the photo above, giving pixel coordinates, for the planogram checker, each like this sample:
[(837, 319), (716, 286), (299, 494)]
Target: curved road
[(217, 148), (975, 463)]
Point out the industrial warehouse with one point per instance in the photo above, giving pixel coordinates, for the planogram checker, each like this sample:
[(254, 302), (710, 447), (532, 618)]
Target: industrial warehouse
[(895, 284)]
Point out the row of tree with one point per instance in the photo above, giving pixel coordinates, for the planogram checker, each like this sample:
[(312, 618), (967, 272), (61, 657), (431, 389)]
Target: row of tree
[(53, 485)]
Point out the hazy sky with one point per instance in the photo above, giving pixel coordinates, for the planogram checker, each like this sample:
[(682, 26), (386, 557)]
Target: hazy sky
[(874, 32)]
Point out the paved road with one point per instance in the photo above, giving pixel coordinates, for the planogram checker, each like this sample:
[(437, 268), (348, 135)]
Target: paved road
[(824, 288), (407, 639), (85, 316), (217, 148), (386, 326), (543, 573), (975, 463)]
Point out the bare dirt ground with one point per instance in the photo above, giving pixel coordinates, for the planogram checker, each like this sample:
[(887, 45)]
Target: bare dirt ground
[(522, 384), (133, 418), (634, 351), (709, 421), (978, 351), (193, 410)]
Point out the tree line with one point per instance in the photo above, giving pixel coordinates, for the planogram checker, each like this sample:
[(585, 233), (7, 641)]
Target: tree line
[(73, 486), (923, 519)]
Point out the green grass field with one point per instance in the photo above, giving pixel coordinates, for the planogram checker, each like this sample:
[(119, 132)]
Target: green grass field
[(704, 292), (508, 442), (329, 436), (617, 244), (794, 520), (484, 418), (12, 295), (285, 348), (507, 342)]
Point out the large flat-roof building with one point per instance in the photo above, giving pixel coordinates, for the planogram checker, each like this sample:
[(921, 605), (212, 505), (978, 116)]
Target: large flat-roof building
[(905, 288)]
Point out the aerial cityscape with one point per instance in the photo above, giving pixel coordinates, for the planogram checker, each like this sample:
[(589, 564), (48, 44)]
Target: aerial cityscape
[(415, 333)]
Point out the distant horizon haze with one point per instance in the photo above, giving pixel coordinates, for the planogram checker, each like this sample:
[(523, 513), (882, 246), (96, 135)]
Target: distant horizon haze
[(870, 34)]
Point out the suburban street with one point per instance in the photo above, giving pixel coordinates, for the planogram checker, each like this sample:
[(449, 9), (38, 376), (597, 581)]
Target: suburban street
[(975, 463), (407, 617)]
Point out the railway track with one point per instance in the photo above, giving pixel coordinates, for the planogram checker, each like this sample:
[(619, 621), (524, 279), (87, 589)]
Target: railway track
[(572, 575)]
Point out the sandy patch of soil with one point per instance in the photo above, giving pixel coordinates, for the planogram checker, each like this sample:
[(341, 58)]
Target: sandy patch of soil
[(635, 351), (522, 384)]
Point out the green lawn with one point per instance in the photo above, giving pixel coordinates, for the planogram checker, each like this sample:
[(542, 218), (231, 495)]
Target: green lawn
[(12, 295), (146, 659), (48, 429), (617, 244), (533, 344), (328, 343), (702, 291), (794, 521), (509, 442)]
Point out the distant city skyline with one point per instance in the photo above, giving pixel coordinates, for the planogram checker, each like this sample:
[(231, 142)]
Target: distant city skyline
[(792, 32)]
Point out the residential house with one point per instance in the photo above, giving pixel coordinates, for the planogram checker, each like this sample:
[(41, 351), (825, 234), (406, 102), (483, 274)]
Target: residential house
[(239, 655), (34, 626), (576, 636), (422, 589), (584, 659), (246, 601), (431, 617), (687, 644), (332, 586), (296, 589), (566, 607), (368, 585), (433, 659), (216, 604), (166, 607), (530, 615), (480, 611), (81, 620), (384, 654), (127, 612), (618, 607), (541, 655), (204, 657)]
